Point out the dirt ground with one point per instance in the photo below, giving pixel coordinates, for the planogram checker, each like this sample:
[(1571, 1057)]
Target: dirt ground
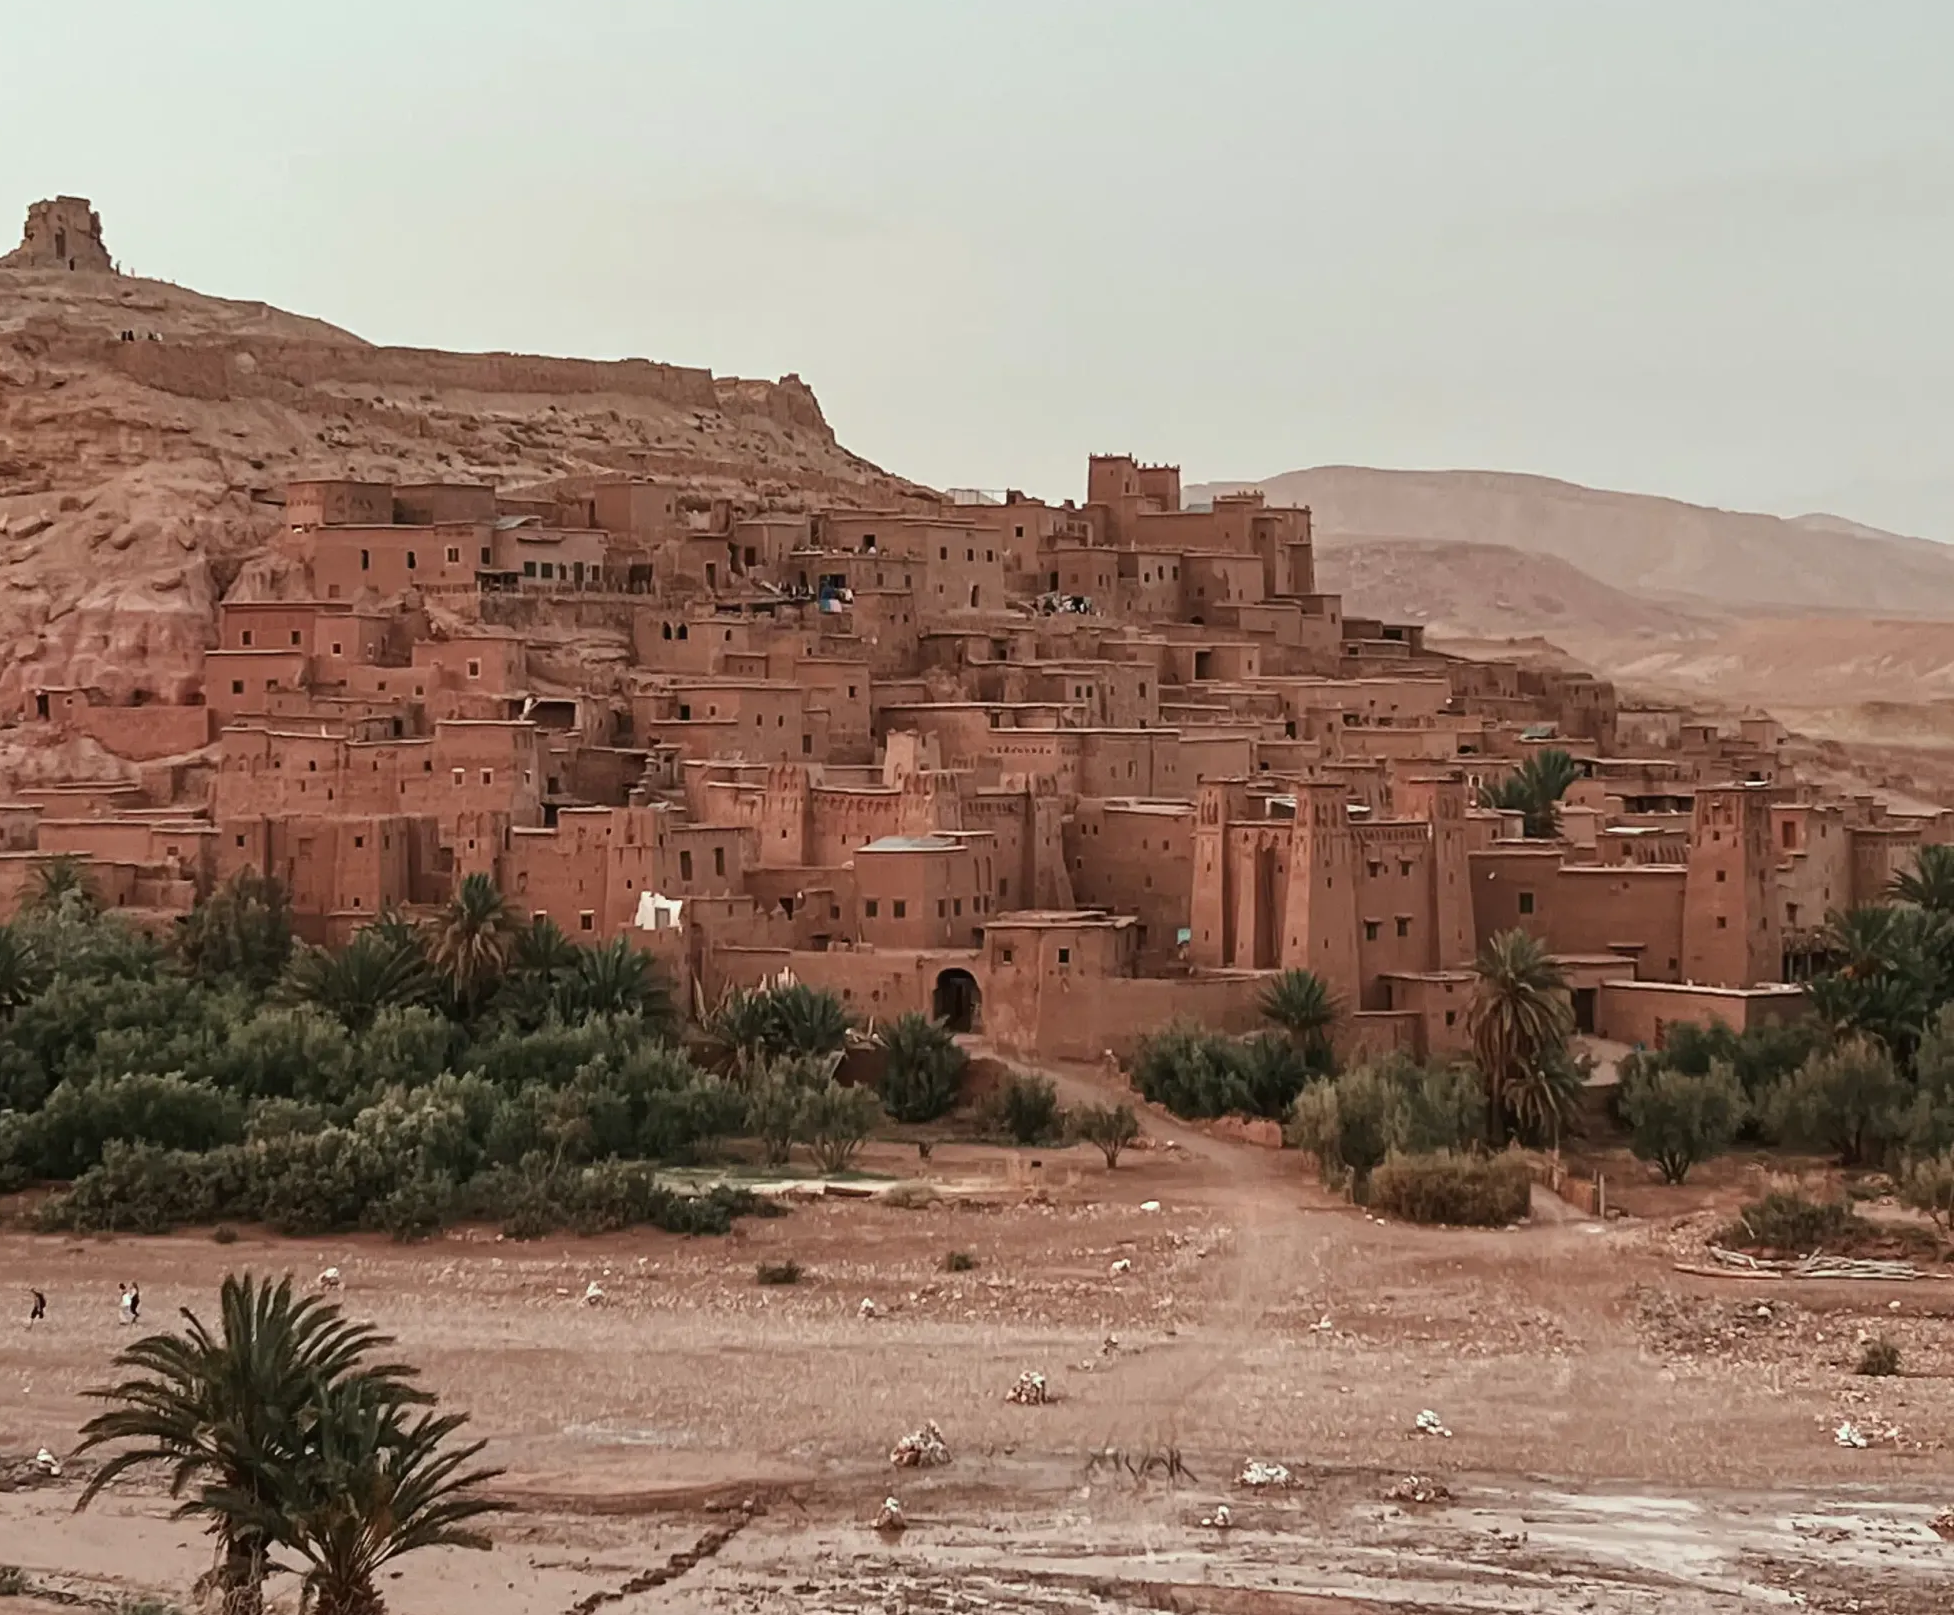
[(1624, 1438)]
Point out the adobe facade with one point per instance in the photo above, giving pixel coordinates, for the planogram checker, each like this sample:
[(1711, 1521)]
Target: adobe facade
[(1058, 773)]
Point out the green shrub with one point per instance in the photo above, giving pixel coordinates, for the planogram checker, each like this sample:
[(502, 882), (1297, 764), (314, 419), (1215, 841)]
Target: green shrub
[(1110, 1127), (1199, 1074), (1851, 1101), (834, 1122), (1676, 1119), (1026, 1109), (1787, 1221), (787, 1272), (68, 1135), (223, 1234), (959, 1262), (1463, 1190), (1928, 1185), (923, 1068), (145, 1189), (1353, 1122), (1881, 1359)]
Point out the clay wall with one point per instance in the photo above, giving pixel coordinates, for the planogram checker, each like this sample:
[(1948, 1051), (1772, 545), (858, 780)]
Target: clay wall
[(1641, 1012), (924, 895), (1636, 912), (348, 562), (423, 504), (1733, 922), (328, 503), (146, 732), (247, 682), (1136, 858), (1397, 930)]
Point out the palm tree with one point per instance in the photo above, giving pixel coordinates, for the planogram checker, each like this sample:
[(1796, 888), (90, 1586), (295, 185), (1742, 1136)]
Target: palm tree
[(474, 940), (1534, 788), (1302, 1004), (807, 1020), (1519, 1017), (63, 882), (242, 930), (1546, 1097), (22, 974), (739, 1027), (923, 1068), (228, 1413), (373, 1483), (619, 979), (371, 973), (1864, 941), (1930, 883)]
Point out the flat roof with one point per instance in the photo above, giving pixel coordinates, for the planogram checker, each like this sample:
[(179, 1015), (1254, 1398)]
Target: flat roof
[(910, 844)]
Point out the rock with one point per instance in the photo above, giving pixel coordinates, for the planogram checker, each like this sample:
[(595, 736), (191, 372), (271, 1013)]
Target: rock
[(1429, 1423), (921, 1449), (1260, 1474)]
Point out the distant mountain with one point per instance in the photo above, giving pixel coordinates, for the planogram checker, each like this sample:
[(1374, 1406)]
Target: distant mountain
[(1633, 541), (1471, 591)]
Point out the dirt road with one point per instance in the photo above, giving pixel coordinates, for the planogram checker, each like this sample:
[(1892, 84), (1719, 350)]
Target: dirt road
[(1624, 1438)]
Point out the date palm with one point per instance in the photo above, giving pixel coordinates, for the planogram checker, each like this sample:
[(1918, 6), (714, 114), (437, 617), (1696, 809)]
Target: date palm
[(1301, 1003), (374, 1481), (1520, 1016), (373, 972), (1929, 884), (63, 883), (473, 941), (227, 1413), (22, 974), (619, 979)]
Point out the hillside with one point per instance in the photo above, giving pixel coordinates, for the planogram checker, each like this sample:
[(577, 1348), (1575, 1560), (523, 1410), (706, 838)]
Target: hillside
[(1472, 591), (147, 433), (1633, 541)]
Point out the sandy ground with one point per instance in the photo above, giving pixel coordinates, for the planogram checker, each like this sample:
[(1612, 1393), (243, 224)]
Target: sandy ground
[(1624, 1437)]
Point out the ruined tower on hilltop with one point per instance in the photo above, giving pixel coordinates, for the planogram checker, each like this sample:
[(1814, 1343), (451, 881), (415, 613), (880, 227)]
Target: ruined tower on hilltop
[(64, 233)]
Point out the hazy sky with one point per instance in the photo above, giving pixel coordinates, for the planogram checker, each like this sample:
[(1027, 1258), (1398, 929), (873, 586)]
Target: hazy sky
[(1702, 248)]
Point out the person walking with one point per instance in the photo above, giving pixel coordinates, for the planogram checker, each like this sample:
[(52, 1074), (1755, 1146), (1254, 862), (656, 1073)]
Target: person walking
[(125, 1304), (39, 1309)]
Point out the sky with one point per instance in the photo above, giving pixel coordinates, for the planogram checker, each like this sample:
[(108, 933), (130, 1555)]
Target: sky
[(1699, 248)]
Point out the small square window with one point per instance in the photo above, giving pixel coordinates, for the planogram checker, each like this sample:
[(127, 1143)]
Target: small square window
[(474, 669), (1526, 902), (871, 908), (943, 909), (359, 841), (901, 907), (956, 907), (1722, 875), (685, 865), (719, 860), (454, 555), (586, 921), (1722, 923), (247, 636), (1451, 1015), (461, 774), (1404, 925), (237, 686), (1370, 930), (1065, 956), (336, 648), (488, 776)]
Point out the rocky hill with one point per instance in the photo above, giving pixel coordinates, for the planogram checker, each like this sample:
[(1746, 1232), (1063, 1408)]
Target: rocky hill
[(147, 433), (1633, 541)]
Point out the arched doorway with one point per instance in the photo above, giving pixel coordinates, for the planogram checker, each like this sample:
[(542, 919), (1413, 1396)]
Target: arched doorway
[(956, 1000)]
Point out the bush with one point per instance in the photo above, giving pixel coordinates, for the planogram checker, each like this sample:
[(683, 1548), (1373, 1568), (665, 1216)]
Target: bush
[(1199, 1074), (959, 1262), (834, 1122), (1464, 1190), (144, 1189), (1851, 1101), (1027, 1110), (787, 1272), (1677, 1120), (924, 1068), (1787, 1221), (13, 1582), (1881, 1359), (1928, 1185), (1353, 1123), (223, 1234), (68, 1135), (1110, 1127)]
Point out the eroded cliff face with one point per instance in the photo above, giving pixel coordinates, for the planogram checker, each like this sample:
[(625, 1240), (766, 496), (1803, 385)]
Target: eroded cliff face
[(147, 433)]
